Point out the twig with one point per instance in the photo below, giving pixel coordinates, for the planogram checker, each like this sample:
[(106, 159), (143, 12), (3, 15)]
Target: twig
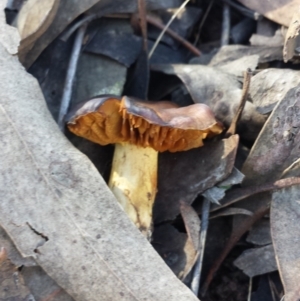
[(183, 5), (237, 116), (198, 266), (174, 35), (67, 93), (250, 289), (271, 285), (143, 22), (225, 25), (203, 21)]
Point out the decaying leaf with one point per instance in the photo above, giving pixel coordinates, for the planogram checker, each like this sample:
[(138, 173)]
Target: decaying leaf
[(185, 175), (291, 37), (62, 212), (34, 19), (285, 228), (12, 285), (269, 86), (279, 11), (220, 91), (257, 261)]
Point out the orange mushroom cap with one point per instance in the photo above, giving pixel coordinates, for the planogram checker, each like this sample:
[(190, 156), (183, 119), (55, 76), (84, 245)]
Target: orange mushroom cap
[(161, 125)]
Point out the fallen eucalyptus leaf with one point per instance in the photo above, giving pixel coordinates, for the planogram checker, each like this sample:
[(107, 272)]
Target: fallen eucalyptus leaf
[(12, 286), (185, 175), (258, 261), (238, 67), (42, 286), (269, 86), (221, 91), (12, 253), (68, 10), (192, 224), (231, 53), (260, 233), (231, 211), (57, 208), (279, 11), (33, 20), (9, 35), (291, 38), (285, 210)]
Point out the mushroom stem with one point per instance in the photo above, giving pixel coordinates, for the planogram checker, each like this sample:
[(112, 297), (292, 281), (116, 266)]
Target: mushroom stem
[(133, 181)]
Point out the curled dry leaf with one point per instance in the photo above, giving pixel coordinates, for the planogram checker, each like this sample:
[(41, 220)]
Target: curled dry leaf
[(292, 36), (89, 247), (285, 211), (33, 20), (269, 86), (221, 92), (257, 261), (185, 175)]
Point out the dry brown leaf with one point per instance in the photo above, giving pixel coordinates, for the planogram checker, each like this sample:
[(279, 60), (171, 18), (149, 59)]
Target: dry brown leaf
[(34, 19), (285, 228), (292, 36), (279, 11), (12, 286), (69, 10), (192, 223), (57, 208)]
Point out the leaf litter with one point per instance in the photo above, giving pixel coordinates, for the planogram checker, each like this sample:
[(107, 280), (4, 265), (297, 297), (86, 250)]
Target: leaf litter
[(62, 228)]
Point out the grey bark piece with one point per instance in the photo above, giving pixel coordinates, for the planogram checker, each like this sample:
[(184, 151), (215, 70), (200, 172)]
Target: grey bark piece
[(260, 234), (57, 208)]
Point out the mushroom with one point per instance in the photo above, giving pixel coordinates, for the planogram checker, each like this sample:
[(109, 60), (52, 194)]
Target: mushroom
[(140, 129)]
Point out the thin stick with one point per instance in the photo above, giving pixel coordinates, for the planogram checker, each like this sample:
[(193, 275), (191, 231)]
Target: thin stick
[(174, 35), (225, 25), (250, 289), (167, 26), (203, 21), (198, 266), (236, 118), (67, 93)]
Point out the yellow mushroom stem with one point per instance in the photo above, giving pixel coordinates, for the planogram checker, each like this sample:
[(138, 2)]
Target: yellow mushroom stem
[(133, 181)]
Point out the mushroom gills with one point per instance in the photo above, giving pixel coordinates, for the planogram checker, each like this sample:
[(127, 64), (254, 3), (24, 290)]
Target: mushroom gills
[(133, 181)]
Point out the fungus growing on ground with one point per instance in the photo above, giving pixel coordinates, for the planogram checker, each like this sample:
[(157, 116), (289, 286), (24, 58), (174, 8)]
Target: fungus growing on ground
[(140, 129)]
